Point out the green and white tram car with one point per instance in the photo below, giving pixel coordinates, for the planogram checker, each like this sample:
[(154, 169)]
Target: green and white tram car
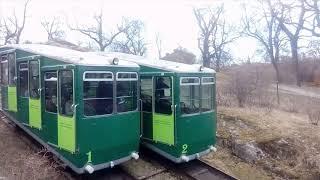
[(178, 111), (81, 107)]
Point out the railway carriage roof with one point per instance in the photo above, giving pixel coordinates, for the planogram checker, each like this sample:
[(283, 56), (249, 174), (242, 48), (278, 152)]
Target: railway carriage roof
[(158, 63), (70, 56)]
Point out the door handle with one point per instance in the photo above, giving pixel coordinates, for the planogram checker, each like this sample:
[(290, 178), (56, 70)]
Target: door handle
[(39, 90)]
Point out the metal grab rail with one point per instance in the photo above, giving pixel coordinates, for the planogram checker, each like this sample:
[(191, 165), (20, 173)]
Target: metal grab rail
[(141, 118), (175, 124)]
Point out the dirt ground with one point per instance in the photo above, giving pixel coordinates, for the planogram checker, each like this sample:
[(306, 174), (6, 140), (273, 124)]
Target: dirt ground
[(289, 143), (21, 160)]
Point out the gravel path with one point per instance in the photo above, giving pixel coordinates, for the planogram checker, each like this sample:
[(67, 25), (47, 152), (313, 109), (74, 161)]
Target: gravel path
[(295, 90)]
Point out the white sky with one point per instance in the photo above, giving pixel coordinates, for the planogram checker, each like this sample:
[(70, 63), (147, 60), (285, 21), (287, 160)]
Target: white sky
[(173, 20)]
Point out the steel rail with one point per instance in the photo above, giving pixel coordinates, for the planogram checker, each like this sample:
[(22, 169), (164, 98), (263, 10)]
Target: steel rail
[(196, 169), (200, 170)]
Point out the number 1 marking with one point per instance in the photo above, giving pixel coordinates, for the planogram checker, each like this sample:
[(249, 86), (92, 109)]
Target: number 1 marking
[(89, 157)]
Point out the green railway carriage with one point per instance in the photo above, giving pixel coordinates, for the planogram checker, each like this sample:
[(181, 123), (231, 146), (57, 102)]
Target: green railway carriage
[(83, 108), (178, 112)]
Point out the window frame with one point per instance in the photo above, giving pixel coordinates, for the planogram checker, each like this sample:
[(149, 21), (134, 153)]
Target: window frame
[(212, 97), (23, 69), (190, 84), (39, 79), (122, 80), (15, 69), (59, 94), (97, 79), (101, 79), (7, 75), (154, 81), (49, 80), (127, 79), (206, 83), (140, 92)]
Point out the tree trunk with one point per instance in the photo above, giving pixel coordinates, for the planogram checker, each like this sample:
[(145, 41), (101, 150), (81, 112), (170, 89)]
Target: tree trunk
[(206, 57), (295, 58), (218, 62), (218, 66), (276, 68), (101, 47)]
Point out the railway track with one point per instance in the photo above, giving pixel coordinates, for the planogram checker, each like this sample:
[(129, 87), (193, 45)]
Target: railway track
[(194, 170), (116, 173), (199, 170)]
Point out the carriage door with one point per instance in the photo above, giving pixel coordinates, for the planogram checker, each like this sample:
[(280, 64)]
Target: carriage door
[(4, 82), (12, 87), (51, 106), (146, 92), (163, 110), (67, 110), (23, 93), (35, 95)]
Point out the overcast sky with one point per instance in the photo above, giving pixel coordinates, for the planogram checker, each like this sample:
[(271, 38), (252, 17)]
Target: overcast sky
[(172, 19)]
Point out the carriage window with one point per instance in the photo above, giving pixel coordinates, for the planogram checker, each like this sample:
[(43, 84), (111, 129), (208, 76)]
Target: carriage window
[(66, 92), (146, 94), (97, 93), (189, 95), (163, 95), (4, 70), (23, 81), (34, 80), (12, 69), (127, 91), (50, 91), (207, 101)]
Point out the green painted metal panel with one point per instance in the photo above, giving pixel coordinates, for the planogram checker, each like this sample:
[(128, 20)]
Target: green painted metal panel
[(4, 97), (163, 128), (12, 98), (67, 133), (23, 113), (50, 127), (35, 113), (147, 125)]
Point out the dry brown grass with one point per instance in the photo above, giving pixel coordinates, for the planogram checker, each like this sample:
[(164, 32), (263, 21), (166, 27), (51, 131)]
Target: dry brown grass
[(313, 111), (287, 132), (22, 159), (288, 140)]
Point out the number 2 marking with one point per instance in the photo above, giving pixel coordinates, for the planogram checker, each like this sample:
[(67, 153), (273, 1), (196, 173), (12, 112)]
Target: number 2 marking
[(184, 148)]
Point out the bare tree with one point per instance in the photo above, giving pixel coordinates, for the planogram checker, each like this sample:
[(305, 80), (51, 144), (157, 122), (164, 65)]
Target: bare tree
[(313, 6), (215, 35), (207, 19), (97, 32), (53, 28), (242, 85), (11, 27), (292, 27), (133, 41), (159, 45), (266, 30), (223, 35), (314, 49)]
